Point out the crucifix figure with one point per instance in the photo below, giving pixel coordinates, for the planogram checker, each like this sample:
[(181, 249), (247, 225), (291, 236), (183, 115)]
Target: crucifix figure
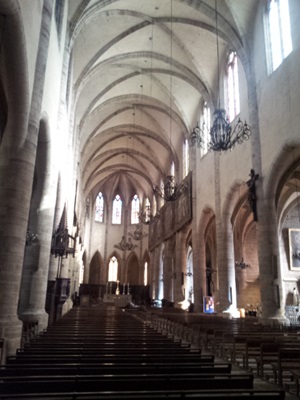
[(252, 192)]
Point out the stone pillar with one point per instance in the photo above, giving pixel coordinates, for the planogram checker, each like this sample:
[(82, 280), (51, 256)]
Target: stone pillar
[(168, 270), (179, 267), (225, 296), (197, 240), (265, 215), (17, 155), (199, 274), (36, 262)]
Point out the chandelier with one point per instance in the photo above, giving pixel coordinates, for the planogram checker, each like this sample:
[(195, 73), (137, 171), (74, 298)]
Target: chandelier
[(124, 245), (197, 137), (189, 273), (31, 238), (170, 191), (241, 264), (221, 136), (138, 233)]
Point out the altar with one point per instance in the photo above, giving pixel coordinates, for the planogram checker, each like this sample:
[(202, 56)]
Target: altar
[(117, 298)]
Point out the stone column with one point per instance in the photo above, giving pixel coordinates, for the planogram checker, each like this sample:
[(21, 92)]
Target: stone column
[(265, 215), (179, 267), (17, 155), (36, 261), (168, 270), (199, 274), (225, 296)]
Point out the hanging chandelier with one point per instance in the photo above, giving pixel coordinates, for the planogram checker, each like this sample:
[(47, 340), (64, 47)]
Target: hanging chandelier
[(241, 264), (138, 233), (197, 137), (221, 136), (170, 191), (124, 245), (31, 238)]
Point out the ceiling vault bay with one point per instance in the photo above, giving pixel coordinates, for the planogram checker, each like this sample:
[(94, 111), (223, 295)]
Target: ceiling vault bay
[(139, 77)]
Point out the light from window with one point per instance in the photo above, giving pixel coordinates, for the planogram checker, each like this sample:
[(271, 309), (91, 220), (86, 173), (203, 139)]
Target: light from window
[(279, 32), (233, 96), (172, 169), (146, 274), (135, 209), (113, 269), (186, 158), (99, 208), (147, 210), (117, 210), (206, 126)]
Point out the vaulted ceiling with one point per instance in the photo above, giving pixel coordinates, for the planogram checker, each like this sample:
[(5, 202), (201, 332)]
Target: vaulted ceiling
[(141, 70)]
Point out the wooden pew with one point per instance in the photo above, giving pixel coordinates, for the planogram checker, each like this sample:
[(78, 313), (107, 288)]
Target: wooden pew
[(288, 359), (225, 394), (94, 369), (77, 383)]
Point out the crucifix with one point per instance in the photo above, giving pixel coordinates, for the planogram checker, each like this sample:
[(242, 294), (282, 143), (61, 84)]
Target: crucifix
[(252, 192)]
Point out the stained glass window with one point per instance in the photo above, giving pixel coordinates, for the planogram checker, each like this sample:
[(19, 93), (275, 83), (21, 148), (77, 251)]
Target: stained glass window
[(135, 209), (99, 208), (117, 210), (113, 270)]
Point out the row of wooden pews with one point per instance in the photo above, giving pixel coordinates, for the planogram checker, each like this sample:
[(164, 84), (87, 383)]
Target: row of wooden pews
[(104, 353), (271, 352)]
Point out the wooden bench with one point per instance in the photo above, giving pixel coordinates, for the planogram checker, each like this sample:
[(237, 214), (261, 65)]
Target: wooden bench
[(77, 383), (288, 360), (225, 394), (93, 369)]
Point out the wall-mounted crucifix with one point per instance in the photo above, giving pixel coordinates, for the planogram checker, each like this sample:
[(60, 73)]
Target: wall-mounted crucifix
[(252, 192)]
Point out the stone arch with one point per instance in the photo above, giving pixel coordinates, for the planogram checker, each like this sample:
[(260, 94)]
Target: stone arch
[(146, 259), (133, 269), (119, 259), (204, 252), (245, 252), (96, 265), (283, 188), (225, 257)]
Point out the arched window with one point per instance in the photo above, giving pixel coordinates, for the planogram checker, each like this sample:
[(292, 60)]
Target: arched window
[(206, 126), (135, 209), (117, 210), (233, 96), (186, 158), (172, 169), (146, 273), (189, 294), (99, 208), (277, 33), (113, 269), (147, 210)]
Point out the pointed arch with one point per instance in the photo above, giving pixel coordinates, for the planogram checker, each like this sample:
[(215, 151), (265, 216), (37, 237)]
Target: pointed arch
[(95, 269), (133, 269)]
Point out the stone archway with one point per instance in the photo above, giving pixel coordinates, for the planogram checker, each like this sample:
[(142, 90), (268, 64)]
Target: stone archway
[(133, 270), (95, 269)]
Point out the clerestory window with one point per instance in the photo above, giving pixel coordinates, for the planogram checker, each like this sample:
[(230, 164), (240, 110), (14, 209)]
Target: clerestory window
[(277, 33)]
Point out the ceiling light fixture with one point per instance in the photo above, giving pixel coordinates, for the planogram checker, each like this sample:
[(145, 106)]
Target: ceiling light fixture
[(138, 233), (124, 245), (222, 136), (170, 191)]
